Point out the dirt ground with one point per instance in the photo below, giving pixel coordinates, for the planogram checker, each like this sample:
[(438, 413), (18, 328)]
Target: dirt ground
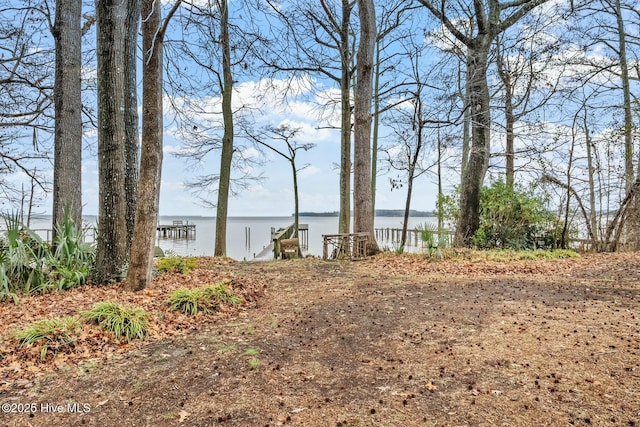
[(388, 341)]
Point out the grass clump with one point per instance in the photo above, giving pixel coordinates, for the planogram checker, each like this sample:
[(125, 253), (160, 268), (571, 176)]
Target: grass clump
[(205, 299), (130, 322), (176, 264), (528, 255), (53, 334)]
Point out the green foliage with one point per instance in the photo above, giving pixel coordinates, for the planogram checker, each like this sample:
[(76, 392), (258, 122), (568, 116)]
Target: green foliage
[(510, 218), (29, 265), (72, 260), (528, 255), (433, 240), (176, 264), (130, 322), (54, 334), (206, 299)]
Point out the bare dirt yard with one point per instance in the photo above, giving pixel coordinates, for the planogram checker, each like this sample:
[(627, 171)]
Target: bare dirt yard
[(387, 341)]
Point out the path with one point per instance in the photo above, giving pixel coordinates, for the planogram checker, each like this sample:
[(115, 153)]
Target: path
[(377, 344)]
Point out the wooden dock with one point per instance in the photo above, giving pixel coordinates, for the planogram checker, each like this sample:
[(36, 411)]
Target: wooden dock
[(177, 230)]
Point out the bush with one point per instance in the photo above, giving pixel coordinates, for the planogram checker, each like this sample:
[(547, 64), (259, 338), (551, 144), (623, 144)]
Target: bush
[(206, 299), (510, 218), (29, 265), (129, 322), (54, 334)]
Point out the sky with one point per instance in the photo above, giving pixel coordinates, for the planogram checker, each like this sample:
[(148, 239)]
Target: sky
[(273, 194)]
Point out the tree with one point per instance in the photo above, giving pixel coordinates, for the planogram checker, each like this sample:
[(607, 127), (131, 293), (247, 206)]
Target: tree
[(321, 42), (148, 197), (67, 177), (489, 20), (112, 246), (227, 138), (285, 134), (131, 128), (26, 83), (363, 220), (209, 118)]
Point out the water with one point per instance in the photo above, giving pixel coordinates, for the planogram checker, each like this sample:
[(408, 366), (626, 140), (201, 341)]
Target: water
[(246, 236)]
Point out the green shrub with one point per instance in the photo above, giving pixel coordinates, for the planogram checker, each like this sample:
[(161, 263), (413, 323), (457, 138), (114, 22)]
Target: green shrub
[(510, 218), (206, 299), (433, 240), (29, 265), (130, 322), (54, 334), (176, 264)]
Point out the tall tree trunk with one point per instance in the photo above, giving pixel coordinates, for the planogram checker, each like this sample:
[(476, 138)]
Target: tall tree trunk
[(67, 177), (131, 112), (633, 223), (466, 124), (592, 186), (376, 126), (111, 248), (505, 77), (469, 218), (344, 219), (440, 191), (227, 138), (296, 201), (363, 220), (148, 196)]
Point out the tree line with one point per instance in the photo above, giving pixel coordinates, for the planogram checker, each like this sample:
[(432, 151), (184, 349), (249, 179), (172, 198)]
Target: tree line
[(460, 92)]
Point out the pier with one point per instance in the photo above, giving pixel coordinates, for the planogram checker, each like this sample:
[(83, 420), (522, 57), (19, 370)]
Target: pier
[(177, 230), (275, 248)]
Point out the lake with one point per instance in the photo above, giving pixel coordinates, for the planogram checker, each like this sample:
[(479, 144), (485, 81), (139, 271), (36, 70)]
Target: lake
[(247, 236)]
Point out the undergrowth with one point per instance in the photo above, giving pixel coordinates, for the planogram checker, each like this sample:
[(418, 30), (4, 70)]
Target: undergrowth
[(176, 264), (130, 322), (205, 299), (52, 334)]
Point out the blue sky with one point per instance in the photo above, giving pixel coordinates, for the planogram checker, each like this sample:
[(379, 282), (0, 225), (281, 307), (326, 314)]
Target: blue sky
[(273, 194)]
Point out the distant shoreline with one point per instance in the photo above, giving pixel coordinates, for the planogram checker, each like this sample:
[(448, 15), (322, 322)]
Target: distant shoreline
[(379, 212)]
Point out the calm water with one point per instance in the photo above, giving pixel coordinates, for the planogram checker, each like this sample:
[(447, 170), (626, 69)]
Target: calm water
[(247, 236)]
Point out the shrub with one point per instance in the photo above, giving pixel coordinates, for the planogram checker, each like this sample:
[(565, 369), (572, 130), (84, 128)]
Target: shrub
[(29, 265), (130, 322), (433, 240), (510, 218), (176, 264), (206, 299), (54, 334)]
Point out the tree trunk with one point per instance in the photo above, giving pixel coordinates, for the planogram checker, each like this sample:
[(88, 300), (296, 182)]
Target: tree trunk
[(407, 208), (148, 196), (67, 177), (633, 224), (469, 218), (111, 248), (592, 187), (466, 126), (296, 201), (505, 76), (227, 138), (131, 112), (376, 126), (363, 221), (344, 220)]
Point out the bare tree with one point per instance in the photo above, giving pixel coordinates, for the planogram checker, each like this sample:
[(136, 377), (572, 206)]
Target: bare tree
[(26, 84), (320, 41), (363, 220), (269, 137), (489, 20), (148, 196)]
